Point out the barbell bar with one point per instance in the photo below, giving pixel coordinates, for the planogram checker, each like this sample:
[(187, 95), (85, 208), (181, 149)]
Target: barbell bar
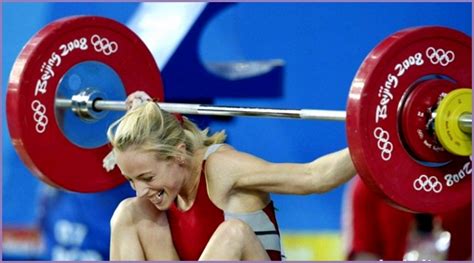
[(97, 105), (206, 109), (389, 107)]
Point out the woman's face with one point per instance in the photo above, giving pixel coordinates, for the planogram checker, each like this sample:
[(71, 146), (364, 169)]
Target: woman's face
[(159, 181)]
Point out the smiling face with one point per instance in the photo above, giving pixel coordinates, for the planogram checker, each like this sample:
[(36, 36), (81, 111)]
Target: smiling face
[(159, 181)]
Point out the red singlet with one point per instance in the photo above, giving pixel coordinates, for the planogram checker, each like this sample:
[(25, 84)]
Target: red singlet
[(192, 229)]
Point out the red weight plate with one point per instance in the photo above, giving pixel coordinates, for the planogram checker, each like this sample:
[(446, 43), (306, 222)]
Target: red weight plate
[(373, 131), (414, 116), (32, 88)]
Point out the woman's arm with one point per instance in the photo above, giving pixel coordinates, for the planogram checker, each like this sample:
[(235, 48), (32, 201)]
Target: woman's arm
[(333, 169), (319, 176)]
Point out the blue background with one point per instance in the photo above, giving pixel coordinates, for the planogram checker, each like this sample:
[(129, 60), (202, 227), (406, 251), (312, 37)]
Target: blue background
[(322, 44)]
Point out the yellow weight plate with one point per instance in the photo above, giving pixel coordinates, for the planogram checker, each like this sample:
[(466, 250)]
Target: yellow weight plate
[(447, 129)]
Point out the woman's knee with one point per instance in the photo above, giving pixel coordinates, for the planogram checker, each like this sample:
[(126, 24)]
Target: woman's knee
[(235, 229)]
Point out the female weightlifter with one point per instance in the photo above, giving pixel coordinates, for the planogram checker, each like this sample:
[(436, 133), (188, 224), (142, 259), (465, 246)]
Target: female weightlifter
[(200, 199)]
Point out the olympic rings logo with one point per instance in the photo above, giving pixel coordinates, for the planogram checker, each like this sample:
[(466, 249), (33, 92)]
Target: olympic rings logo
[(428, 184), (39, 115), (440, 56), (104, 45), (383, 143)]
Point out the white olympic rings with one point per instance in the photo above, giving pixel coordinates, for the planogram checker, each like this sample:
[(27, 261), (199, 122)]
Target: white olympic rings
[(440, 56), (39, 115), (104, 45), (383, 143), (427, 184)]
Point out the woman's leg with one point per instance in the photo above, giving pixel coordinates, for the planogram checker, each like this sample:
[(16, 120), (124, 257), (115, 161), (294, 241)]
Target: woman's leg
[(140, 232), (156, 240), (234, 240)]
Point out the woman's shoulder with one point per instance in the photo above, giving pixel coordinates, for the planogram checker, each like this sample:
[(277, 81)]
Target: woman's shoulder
[(226, 167), (221, 148), (226, 161), (227, 155), (219, 163), (219, 154)]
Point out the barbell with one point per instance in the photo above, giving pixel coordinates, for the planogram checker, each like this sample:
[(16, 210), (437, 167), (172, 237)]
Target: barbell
[(408, 116)]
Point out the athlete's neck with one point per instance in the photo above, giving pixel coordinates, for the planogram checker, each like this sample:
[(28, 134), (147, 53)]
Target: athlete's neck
[(187, 195)]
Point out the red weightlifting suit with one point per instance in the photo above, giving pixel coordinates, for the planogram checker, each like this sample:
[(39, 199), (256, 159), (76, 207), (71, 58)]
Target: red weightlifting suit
[(192, 229), (372, 225)]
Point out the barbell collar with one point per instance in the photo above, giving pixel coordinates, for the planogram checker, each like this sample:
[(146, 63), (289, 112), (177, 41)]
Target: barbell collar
[(465, 123)]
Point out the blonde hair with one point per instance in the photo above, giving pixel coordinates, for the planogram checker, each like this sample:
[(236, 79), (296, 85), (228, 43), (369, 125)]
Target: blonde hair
[(149, 128)]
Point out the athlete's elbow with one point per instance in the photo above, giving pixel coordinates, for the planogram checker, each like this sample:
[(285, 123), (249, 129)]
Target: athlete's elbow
[(312, 185), (322, 183), (335, 178), (322, 188)]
